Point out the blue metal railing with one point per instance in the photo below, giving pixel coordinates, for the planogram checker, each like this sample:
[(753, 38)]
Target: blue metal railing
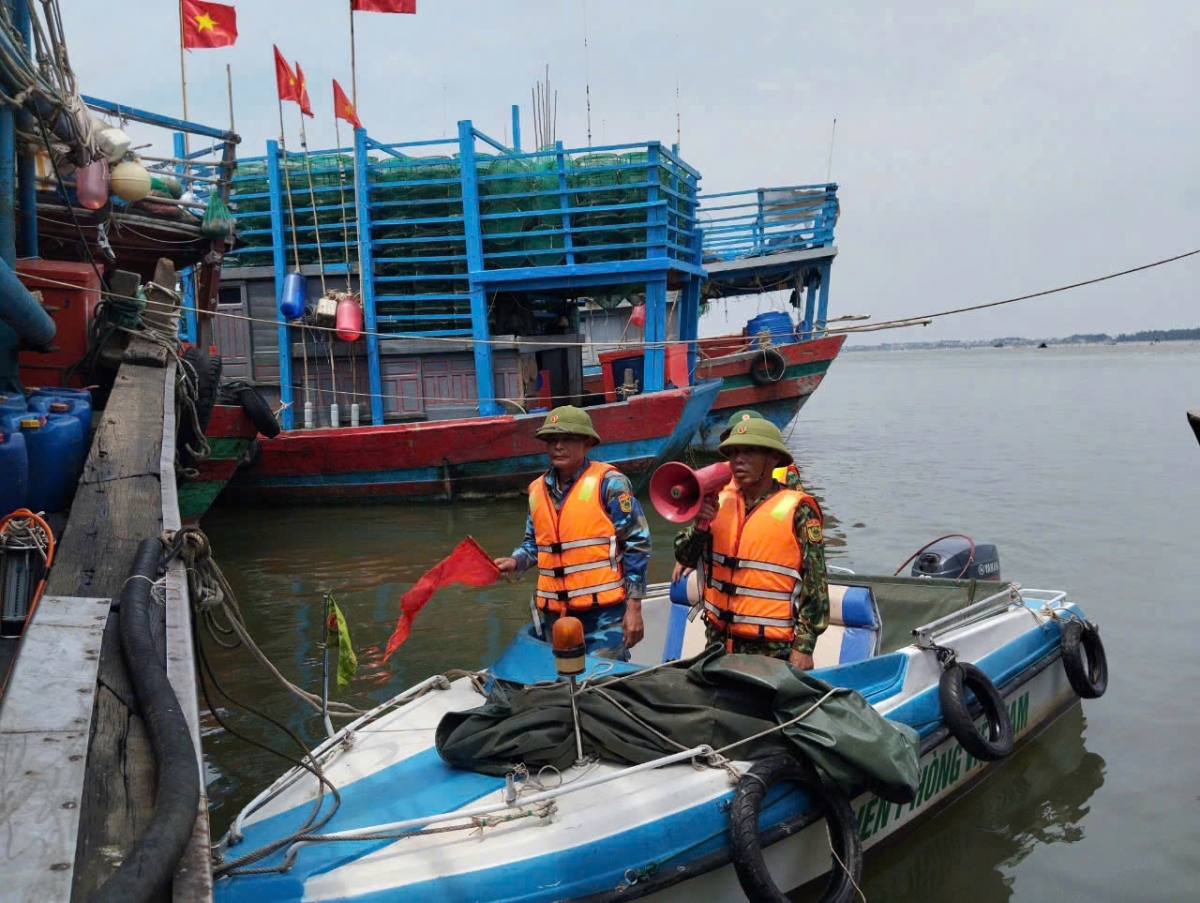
[(765, 221), (444, 222)]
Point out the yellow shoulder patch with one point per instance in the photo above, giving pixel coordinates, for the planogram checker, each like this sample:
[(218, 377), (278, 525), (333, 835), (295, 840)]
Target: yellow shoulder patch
[(626, 502), (812, 530)]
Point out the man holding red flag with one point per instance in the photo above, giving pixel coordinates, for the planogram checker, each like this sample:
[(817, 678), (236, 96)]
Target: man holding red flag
[(207, 24), (588, 538)]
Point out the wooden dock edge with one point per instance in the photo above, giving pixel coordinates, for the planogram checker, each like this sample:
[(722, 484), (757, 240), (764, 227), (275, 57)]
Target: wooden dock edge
[(193, 879), (105, 787)]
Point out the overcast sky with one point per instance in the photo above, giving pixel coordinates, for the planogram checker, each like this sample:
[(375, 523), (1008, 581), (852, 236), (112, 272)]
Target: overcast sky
[(980, 154)]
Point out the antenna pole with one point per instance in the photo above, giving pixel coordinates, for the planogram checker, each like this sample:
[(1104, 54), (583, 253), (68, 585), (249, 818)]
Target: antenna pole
[(353, 68), (587, 77), (832, 135)]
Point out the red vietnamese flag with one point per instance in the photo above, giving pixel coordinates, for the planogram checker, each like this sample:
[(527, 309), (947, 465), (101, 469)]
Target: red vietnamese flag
[(468, 564), (383, 6), (342, 108), (285, 78), (207, 24), (302, 93)]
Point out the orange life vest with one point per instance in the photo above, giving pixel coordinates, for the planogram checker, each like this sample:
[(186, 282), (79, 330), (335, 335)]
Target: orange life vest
[(754, 566), (579, 566)]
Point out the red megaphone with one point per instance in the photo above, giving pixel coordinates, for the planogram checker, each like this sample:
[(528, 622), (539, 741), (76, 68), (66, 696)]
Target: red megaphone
[(677, 491)]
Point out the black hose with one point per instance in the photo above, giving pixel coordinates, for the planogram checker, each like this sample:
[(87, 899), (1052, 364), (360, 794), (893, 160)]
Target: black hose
[(151, 863)]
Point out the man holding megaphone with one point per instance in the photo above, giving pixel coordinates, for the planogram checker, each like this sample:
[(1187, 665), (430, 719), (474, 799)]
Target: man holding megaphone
[(762, 545)]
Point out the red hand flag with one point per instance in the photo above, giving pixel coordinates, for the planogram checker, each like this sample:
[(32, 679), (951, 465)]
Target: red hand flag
[(207, 24), (285, 78), (468, 564), (302, 93), (383, 6), (342, 108)]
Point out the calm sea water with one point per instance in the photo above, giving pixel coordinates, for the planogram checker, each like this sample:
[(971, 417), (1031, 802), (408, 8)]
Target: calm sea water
[(1076, 462)]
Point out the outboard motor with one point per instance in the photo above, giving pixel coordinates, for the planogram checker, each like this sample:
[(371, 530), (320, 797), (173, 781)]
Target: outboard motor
[(951, 558)]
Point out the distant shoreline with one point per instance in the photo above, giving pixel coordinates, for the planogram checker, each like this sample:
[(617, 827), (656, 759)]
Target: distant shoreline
[(1137, 338)]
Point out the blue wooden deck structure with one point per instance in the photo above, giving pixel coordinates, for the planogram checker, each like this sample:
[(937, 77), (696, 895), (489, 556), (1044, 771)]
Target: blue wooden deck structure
[(440, 230), (768, 238)]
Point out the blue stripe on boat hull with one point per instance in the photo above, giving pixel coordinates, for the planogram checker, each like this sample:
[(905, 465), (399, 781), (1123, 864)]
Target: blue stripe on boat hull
[(576, 871), (419, 785)]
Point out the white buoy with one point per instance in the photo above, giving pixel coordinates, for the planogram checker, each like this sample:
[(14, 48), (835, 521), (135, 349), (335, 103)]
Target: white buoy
[(334, 420), (354, 414), (308, 415)]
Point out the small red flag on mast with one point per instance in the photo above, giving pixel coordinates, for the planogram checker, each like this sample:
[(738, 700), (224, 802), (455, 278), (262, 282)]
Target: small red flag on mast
[(208, 24), (342, 108), (383, 6), (302, 93), (285, 78)]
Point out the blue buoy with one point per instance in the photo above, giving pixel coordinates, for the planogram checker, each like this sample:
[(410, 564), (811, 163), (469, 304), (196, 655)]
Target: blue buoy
[(54, 450), (778, 324), (80, 408), (14, 472), (295, 294)]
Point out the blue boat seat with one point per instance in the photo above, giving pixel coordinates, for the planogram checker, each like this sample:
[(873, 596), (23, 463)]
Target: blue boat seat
[(854, 627)]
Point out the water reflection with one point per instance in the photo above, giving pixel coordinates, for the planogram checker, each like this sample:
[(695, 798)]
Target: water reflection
[(970, 851)]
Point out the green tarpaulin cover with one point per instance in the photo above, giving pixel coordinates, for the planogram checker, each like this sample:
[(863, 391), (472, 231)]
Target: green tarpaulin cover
[(713, 699)]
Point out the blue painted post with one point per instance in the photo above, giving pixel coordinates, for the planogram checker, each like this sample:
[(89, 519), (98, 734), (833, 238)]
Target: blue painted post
[(654, 357), (188, 279), (689, 321), (485, 389), (760, 226), (26, 171), (366, 274), (280, 261), (810, 307), (8, 173), (823, 299), (516, 117), (564, 202)]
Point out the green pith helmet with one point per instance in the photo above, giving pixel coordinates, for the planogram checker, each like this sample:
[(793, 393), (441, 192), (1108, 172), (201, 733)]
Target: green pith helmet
[(758, 433), (568, 420), (737, 418)]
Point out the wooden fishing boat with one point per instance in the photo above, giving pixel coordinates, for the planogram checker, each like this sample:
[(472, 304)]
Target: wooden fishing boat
[(477, 457)]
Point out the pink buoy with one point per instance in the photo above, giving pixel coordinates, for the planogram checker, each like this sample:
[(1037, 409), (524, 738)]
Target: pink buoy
[(91, 184), (348, 321)]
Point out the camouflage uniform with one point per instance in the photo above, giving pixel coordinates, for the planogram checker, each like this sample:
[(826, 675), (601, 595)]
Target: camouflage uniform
[(812, 603)]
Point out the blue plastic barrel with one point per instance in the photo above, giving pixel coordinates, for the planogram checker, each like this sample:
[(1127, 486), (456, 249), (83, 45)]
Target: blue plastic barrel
[(14, 472), (12, 404), (295, 294), (780, 326), (79, 408), (54, 449)]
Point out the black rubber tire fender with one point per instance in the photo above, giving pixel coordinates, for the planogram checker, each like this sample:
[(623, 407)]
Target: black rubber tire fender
[(250, 456), (768, 367), (748, 862), (206, 395), (1084, 659), (258, 411), (952, 693), (198, 367)]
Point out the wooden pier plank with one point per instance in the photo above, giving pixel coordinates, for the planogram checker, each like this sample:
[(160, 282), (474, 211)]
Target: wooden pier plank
[(43, 745), (117, 505)]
